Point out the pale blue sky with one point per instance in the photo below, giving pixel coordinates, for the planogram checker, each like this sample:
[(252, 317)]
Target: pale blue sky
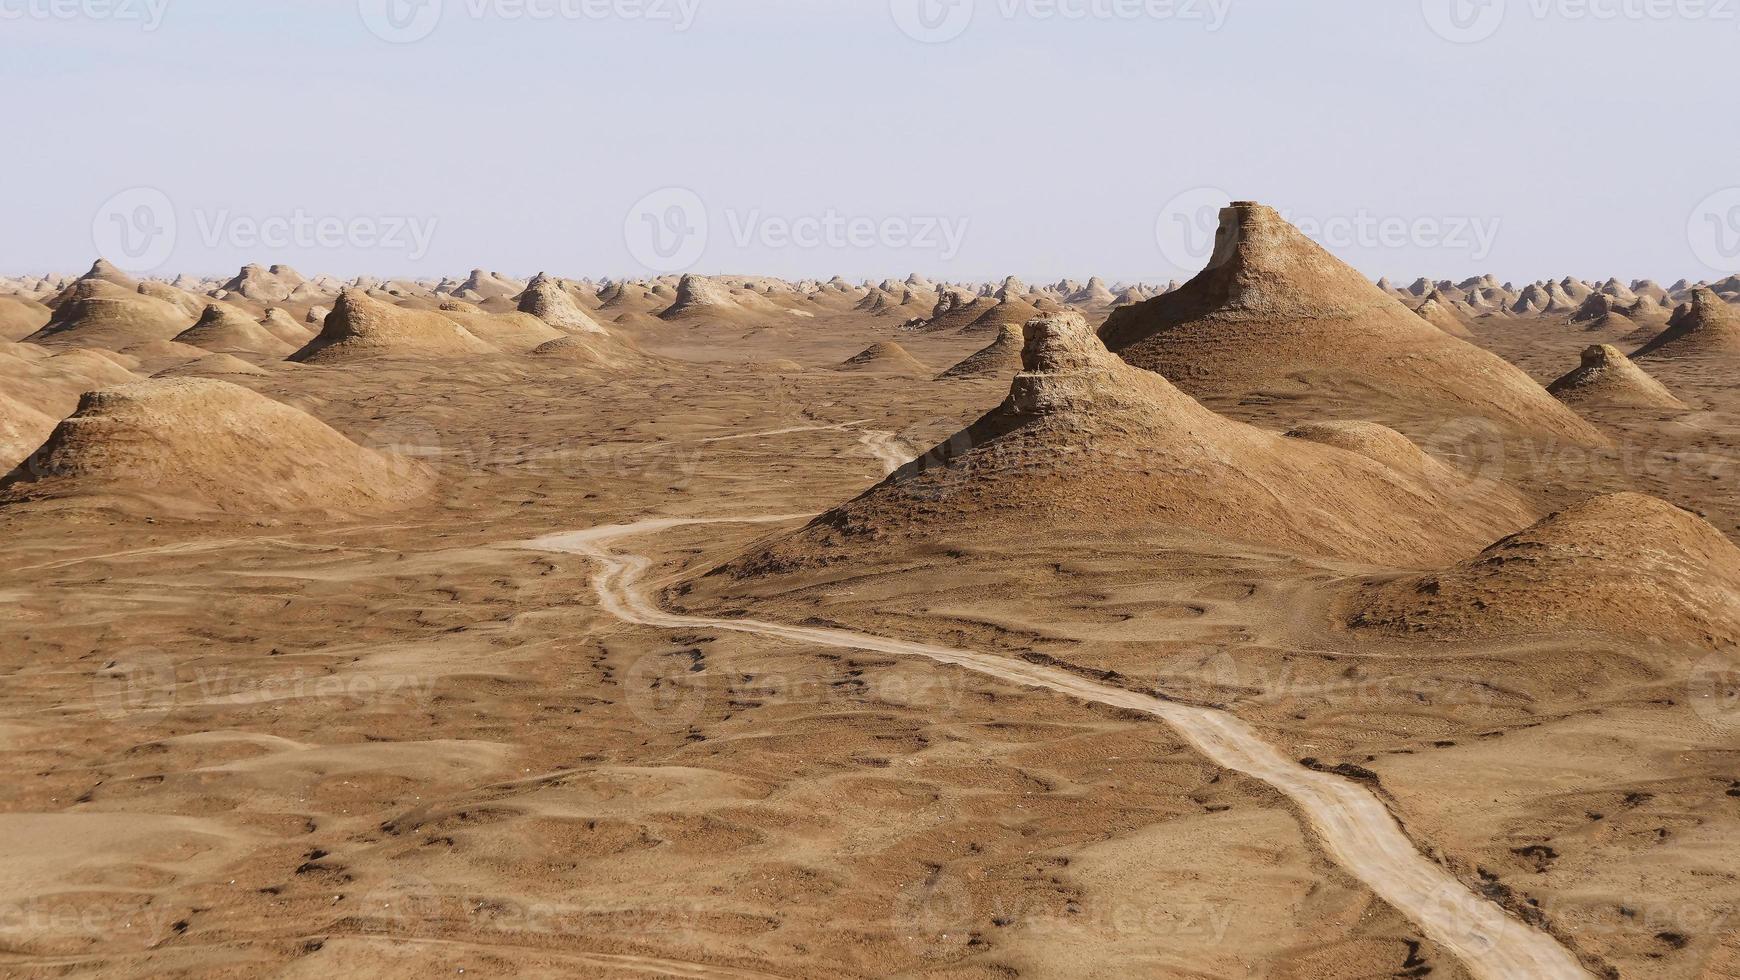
[(1582, 146)]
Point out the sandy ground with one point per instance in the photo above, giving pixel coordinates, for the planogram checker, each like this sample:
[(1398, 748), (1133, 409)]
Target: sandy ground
[(412, 744)]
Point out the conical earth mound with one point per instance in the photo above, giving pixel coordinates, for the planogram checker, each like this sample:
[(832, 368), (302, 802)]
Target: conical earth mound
[(1085, 442), (1626, 564), (226, 331), (1437, 311), (1608, 377), (361, 326), (195, 445), (886, 357), (212, 366), (102, 270), (515, 332), (20, 317), (1000, 359), (1011, 311), (545, 299), (584, 348), (1276, 313), (701, 298), (52, 385), (22, 429), (280, 324), (1706, 327), (99, 313)]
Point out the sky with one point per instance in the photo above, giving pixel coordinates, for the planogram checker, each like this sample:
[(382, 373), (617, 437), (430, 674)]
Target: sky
[(964, 139)]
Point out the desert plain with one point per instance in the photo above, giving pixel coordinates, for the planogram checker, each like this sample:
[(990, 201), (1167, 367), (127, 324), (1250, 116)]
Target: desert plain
[(1276, 623)]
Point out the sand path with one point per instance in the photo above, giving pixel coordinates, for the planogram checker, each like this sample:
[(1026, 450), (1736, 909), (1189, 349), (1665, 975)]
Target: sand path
[(1353, 826)]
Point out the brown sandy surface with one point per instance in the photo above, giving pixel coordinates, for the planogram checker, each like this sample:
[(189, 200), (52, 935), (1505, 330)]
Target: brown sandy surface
[(398, 742)]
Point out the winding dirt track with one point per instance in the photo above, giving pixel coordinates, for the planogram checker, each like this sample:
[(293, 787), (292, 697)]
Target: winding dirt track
[(1353, 827)]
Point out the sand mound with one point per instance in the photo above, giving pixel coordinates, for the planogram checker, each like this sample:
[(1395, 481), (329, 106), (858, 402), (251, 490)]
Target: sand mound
[(1000, 359), (887, 357), (701, 298), (101, 270), (99, 313), (1437, 311), (20, 317), (515, 332), (1706, 327), (1625, 564), (1378, 443), (181, 299), (1093, 296), (281, 325), (1594, 308), (545, 299), (482, 285), (192, 444), (212, 366), (583, 348), (155, 355), (22, 429), (1087, 442), (1607, 377), (1275, 312), (628, 297), (956, 311), (262, 286), (1010, 312), (223, 331), (52, 385), (361, 326)]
